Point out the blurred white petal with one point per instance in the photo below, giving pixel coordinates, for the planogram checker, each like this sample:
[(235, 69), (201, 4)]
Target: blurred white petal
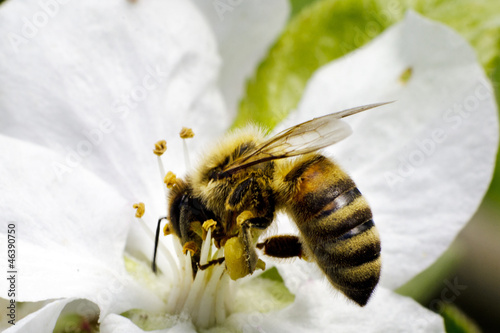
[(245, 30), (70, 235), (101, 81), (319, 305), (316, 310), (425, 161)]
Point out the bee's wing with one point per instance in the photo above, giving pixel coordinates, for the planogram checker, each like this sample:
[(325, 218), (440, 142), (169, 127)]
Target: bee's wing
[(301, 139)]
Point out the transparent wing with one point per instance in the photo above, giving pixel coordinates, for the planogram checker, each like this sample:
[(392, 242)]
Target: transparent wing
[(301, 139)]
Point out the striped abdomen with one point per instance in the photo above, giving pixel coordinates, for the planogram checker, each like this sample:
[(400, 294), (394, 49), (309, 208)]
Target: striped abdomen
[(336, 225)]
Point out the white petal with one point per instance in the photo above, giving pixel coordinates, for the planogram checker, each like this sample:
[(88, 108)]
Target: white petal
[(316, 310), (320, 308), (115, 323), (42, 320), (101, 81), (437, 141), (70, 235), (245, 30)]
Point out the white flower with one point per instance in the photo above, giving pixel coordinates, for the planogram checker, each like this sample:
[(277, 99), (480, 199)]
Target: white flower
[(87, 88)]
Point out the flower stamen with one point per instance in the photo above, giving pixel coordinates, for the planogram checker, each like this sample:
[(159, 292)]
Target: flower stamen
[(208, 225), (205, 298), (191, 247), (186, 133), (140, 209), (160, 147), (170, 179)]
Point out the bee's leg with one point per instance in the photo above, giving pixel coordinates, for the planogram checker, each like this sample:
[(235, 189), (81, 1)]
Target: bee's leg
[(247, 229), (242, 194), (210, 263), (258, 222), (248, 225), (284, 246)]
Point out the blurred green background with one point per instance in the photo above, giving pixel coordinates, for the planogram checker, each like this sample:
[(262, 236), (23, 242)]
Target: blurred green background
[(320, 31)]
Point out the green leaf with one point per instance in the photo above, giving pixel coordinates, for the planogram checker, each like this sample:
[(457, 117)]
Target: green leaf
[(423, 286), (320, 33), (494, 191), (298, 5), (326, 30), (456, 321), (271, 274)]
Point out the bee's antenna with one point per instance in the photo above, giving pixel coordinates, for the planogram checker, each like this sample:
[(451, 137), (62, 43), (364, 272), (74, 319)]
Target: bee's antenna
[(157, 239)]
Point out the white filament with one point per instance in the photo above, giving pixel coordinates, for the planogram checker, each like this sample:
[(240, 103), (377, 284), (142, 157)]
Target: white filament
[(203, 298)]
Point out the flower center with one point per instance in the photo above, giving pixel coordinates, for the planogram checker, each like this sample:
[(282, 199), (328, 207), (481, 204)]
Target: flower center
[(205, 297)]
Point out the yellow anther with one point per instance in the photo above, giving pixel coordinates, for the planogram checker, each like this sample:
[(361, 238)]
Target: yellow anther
[(186, 133), (191, 247), (209, 224), (244, 216), (406, 75), (167, 229), (260, 265), (170, 179), (160, 147), (140, 209)]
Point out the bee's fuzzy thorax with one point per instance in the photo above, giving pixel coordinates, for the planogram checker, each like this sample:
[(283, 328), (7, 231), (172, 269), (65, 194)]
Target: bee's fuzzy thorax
[(219, 154)]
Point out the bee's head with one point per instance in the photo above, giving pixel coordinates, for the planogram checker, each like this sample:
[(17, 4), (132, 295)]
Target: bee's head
[(175, 198)]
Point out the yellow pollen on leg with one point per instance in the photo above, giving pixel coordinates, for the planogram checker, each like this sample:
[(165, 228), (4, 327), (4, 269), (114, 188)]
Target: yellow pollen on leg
[(140, 209), (236, 263), (170, 179), (186, 133), (191, 247), (244, 216), (160, 147)]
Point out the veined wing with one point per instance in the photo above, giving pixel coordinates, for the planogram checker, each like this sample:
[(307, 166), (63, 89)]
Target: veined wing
[(300, 139)]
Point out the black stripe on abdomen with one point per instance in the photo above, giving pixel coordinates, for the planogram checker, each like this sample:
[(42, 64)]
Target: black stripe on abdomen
[(354, 248), (339, 217)]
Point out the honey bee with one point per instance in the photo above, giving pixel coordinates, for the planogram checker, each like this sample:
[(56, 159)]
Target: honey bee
[(247, 178)]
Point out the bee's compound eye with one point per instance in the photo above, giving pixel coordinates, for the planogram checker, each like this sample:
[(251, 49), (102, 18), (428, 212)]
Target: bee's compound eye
[(234, 253)]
